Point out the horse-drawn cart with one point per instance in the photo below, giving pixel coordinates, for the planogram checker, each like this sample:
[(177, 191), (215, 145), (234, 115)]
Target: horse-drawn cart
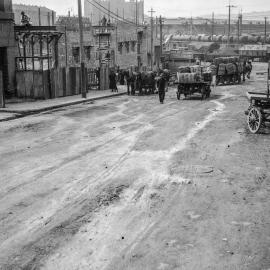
[(258, 114), (188, 89), (195, 82)]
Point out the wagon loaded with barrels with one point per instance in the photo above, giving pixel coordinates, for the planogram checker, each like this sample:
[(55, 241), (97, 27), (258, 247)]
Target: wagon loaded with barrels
[(191, 80), (229, 70), (258, 113)]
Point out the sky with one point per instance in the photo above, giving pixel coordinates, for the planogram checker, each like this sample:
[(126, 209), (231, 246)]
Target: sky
[(167, 8)]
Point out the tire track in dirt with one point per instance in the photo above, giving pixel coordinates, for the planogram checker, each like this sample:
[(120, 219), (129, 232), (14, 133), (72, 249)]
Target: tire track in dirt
[(151, 157), (105, 176)]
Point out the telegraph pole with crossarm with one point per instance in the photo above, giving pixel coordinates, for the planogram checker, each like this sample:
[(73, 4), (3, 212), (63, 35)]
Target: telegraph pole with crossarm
[(152, 36), (229, 26)]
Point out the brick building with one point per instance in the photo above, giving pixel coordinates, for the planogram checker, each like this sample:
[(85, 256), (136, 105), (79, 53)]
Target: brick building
[(69, 47), (133, 46), (7, 46), (40, 16), (126, 45)]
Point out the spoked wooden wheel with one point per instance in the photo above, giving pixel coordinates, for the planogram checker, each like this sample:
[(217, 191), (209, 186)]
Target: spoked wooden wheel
[(254, 120)]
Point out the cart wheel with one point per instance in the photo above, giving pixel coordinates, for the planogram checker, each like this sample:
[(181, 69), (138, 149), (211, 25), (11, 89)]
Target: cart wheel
[(254, 120), (178, 95)]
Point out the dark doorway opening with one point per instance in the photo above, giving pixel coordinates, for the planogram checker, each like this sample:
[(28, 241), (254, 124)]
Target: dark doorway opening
[(4, 69)]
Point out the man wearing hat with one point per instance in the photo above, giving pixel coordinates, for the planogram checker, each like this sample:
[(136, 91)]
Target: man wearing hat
[(161, 87)]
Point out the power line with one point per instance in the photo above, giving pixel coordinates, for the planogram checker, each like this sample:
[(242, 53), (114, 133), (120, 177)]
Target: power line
[(111, 11), (115, 16), (105, 13)]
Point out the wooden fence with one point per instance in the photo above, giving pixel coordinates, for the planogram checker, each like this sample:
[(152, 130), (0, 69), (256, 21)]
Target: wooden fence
[(60, 82)]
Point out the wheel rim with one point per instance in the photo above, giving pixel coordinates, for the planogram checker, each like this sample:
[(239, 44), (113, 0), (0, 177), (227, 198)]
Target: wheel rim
[(254, 120)]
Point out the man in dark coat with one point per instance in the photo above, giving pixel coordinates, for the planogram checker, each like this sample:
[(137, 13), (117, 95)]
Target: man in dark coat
[(161, 88), (127, 78), (139, 83), (132, 83), (112, 78)]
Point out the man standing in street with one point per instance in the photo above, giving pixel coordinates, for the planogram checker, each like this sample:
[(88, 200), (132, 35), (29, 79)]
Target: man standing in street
[(161, 88), (112, 79)]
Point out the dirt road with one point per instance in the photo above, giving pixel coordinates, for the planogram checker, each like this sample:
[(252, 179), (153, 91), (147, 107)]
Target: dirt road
[(128, 183)]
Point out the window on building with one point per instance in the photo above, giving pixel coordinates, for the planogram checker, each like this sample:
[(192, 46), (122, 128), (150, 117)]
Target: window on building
[(76, 54), (133, 44), (2, 6), (87, 51), (120, 47), (138, 48), (127, 46)]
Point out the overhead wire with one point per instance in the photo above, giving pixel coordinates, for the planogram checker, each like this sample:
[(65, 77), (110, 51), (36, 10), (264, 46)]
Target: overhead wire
[(113, 15), (111, 12), (104, 12)]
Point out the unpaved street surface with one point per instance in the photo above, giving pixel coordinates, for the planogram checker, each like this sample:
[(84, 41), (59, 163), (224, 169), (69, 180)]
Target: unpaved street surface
[(128, 183)]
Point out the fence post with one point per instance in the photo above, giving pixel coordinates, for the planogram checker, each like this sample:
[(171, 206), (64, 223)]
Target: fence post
[(2, 98)]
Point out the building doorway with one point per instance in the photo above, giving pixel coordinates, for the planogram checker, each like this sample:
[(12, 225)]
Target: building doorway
[(4, 69)]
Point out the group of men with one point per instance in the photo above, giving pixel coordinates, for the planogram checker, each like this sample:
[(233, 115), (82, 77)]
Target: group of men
[(145, 83)]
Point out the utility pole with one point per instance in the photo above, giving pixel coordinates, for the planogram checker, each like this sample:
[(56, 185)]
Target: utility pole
[(152, 36), (39, 16), (138, 40), (229, 26), (136, 9), (213, 25), (53, 22), (265, 29), (109, 11), (240, 23), (161, 38), (238, 29), (49, 18), (83, 83), (66, 49), (157, 26), (191, 25), (116, 39)]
